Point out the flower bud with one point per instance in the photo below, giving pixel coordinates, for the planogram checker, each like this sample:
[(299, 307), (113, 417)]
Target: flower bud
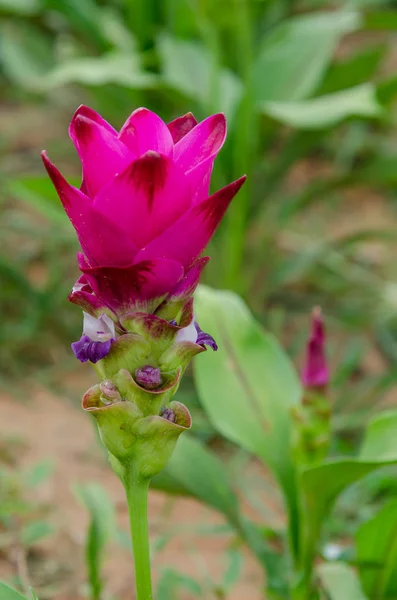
[(148, 377), (315, 373)]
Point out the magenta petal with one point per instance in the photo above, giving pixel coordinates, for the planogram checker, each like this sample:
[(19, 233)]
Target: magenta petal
[(144, 131), (185, 240), (149, 196), (102, 241), (101, 153), (202, 142), (86, 111), (315, 373), (181, 126), (134, 287)]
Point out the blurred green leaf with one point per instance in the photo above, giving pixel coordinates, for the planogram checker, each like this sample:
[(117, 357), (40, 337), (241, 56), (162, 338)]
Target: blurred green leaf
[(340, 582), (249, 386), (326, 111), (112, 68), (26, 54), (36, 531), (39, 473), (376, 543), (232, 574), (295, 55), (352, 71), (382, 19), (7, 593), (187, 66), (171, 582), (20, 7), (323, 483), (207, 481), (101, 529)]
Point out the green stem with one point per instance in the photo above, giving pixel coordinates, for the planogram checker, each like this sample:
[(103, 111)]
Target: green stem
[(137, 498)]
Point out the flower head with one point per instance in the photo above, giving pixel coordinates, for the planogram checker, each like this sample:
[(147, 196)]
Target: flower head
[(143, 214), (315, 373)]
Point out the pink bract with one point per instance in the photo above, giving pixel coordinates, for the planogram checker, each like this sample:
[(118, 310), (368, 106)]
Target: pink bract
[(142, 215)]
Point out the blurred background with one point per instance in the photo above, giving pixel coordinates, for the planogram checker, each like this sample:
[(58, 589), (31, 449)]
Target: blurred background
[(309, 89)]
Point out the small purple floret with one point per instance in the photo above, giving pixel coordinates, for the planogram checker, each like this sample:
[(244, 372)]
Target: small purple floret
[(148, 377), (87, 350), (205, 339), (168, 414)]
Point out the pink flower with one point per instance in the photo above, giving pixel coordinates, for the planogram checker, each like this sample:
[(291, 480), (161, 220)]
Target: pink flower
[(142, 214), (315, 373)]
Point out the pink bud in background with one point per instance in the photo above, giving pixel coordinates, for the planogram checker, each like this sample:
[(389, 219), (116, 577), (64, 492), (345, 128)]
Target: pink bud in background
[(315, 372)]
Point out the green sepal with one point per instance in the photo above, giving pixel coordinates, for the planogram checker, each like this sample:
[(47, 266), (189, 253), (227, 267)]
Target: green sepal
[(144, 444), (148, 401), (158, 333), (179, 355), (129, 351)]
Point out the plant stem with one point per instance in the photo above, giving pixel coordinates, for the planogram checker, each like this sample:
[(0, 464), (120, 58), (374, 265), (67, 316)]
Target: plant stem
[(137, 498)]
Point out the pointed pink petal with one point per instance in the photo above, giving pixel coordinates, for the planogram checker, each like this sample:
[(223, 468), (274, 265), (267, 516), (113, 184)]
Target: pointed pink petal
[(101, 153), (175, 301), (149, 196), (136, 287), (144, 131), (185, 240), (181, 126), (199, 179), (202, 142), (86, 111), (102, 241)]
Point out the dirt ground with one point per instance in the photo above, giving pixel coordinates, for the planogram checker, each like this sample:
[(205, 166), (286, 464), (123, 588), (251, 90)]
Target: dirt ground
[(55, 427)]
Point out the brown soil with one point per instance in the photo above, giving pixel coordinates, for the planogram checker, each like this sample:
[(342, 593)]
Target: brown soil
[(51, 426)]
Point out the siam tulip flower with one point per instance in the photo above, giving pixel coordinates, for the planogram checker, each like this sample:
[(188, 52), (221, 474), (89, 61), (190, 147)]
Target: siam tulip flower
[(143, 216), (315, 373)]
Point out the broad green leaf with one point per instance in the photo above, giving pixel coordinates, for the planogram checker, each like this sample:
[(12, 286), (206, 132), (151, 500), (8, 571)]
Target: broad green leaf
[(376, 543), (322, 484), (188, 67), (7, 593), (326, 111), (295, 55), (101, 528), (208, 480), (340, 582), (249, 386), (112, 68)]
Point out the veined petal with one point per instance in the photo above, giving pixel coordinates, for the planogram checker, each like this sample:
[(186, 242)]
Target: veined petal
[(146, 198), (202, 142), (185, 240), (102, 241), (144, 131), (136, 287), (101, 153), (181, 126)]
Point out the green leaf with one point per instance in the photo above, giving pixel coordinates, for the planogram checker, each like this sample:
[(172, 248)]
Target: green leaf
[(188, 67), (294, 56), (112, 68), (322, 484), (340, 582), (7, 593), (326, 111), (26, 54), (376, 543), (101, 528), (20, 7), (249, 386), (171, 581), (208, 480), (39, 473), (233, 572), (35, 532)]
